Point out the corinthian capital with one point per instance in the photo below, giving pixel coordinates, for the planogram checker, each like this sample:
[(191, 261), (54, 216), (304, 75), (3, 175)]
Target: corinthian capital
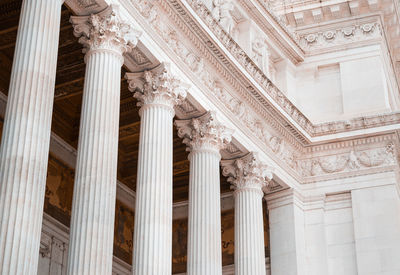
[(204, 132), (157, 86), (247, 172), (105, 31)]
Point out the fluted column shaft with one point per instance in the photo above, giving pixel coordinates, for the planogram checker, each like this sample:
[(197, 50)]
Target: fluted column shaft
[(93, 206), (153, 212), (249, 232), (248, 176), (204, 235), (157, 91), (26, 136), (205, 137)]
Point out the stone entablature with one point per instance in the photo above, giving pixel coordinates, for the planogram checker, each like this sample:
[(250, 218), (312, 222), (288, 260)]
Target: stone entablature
[(278, 145), (302, 14), (337, 36)]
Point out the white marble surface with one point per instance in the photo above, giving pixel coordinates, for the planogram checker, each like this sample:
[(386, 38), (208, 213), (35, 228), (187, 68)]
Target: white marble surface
[(158, 92), (248, 176), (205, 137), (93, 205), (26, 136), (287, 236), (377, 229)]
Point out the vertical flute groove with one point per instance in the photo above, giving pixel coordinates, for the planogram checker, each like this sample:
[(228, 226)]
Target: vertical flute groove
[(249, 232), (153, 218), (204, 236), (26, 136), (91, 239), (205, 137)]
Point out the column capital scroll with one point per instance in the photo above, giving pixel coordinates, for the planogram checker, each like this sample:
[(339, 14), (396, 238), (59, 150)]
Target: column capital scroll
[(247, 172), (204, 133), (105, 31), (157, 87)]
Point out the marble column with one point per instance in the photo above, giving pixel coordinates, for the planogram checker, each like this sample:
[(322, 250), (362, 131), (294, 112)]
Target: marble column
[(248, 176), (105, 37), (205, 137), (26, 135), (157, 91)]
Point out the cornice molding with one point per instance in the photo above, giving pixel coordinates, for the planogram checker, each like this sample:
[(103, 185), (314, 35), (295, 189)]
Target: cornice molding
[(313, 130)]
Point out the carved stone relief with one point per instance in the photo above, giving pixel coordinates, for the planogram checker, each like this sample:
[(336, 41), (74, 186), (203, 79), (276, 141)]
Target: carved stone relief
[(280, 147), (348, 162), (344, 35)]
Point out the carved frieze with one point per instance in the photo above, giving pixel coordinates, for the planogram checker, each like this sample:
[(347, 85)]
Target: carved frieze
[(139, 57), (237, 107), (348, 162), (340, 36), (282, 147)]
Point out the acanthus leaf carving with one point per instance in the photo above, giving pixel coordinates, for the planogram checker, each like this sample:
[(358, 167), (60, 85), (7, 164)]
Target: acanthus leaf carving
[(157, 86), (247, 172), (204, 133), (105, 31), (278, 144)]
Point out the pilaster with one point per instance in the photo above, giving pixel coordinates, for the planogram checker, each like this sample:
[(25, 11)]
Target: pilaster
[(286, 218)]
